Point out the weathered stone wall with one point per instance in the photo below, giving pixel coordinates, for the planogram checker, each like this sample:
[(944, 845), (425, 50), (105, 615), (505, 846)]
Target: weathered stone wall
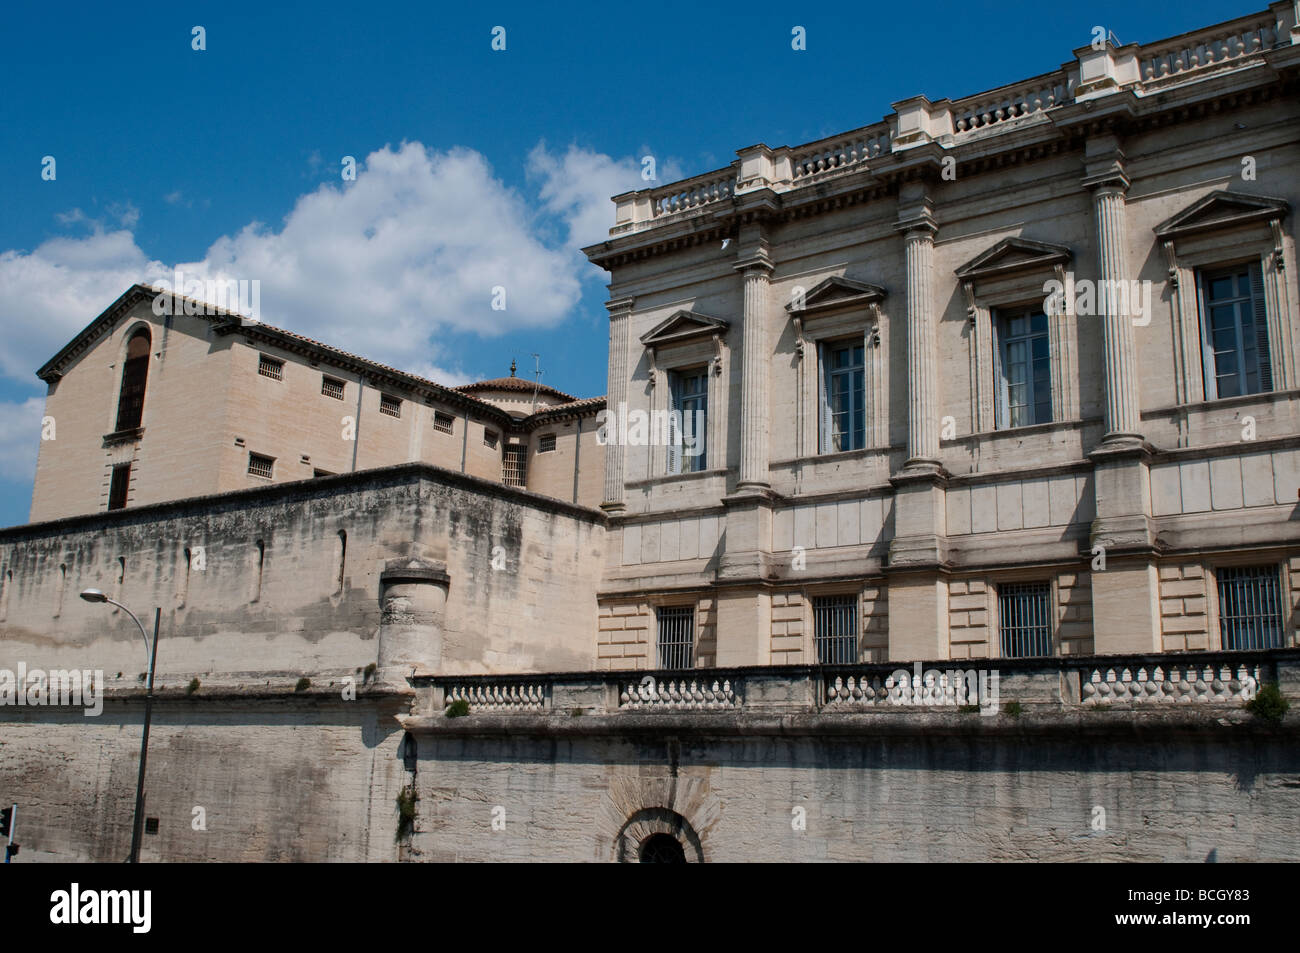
[(262, 582), (305, 777), (1024, 793)]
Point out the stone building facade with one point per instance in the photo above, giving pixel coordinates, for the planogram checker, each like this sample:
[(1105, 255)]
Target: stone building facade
[(1004, 387), (1024, 360), (144, 407)]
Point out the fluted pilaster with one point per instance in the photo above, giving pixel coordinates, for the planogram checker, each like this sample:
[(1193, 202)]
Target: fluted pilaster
[(620, 311), (1117, 327), (922, 348), (756, 361)]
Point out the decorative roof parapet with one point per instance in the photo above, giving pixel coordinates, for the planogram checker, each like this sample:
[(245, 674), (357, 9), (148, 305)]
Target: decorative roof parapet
[(1100, 69)]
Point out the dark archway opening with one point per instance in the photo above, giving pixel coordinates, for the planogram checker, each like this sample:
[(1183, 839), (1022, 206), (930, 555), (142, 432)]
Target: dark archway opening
[(661, 849)]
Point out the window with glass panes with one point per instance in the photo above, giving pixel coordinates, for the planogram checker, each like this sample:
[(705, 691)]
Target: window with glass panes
[(689, 395), (1024, 369), (1234, 332), (843, 400)]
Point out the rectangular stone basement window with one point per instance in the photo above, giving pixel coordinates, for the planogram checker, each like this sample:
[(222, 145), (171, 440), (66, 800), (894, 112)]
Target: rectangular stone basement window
[(835, 629), (1024, 619), (260, 466), (392, 406), (442, 422), (331, 387), (1250, 607), (676, 636), (270, 367)]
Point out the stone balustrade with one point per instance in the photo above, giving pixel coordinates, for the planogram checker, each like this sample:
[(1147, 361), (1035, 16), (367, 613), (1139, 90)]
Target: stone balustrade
[(1155, 67), (840, 153), (693, 193), (682, 693), (499, 696), (1205, 49), (1014, 102), (1210, 679), (1172, 683)]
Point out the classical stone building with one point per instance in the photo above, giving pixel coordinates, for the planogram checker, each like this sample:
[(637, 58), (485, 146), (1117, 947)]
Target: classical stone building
[(148, 405), (1004, 386)]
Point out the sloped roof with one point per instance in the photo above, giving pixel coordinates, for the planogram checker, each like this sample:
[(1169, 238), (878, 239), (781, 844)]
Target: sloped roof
[(518, 384), (229, 322)]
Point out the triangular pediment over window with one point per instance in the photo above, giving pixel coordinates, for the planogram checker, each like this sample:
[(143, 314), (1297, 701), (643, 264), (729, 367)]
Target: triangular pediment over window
[(1012, 255), (836, 292), (684, 326), (1222, 210)]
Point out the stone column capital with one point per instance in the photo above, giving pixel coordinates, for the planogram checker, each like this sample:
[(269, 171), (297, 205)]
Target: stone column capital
[(921, 225), (619, 307)]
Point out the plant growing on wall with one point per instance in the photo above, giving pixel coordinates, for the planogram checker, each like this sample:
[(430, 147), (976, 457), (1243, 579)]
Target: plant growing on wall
[(458, 709), (1269, 704), (406, 799)]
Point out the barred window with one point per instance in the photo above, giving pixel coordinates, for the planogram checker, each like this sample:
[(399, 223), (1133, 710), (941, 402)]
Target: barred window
[(260, 466), (390, 405), (676, 636), (490, 439), (1025, 619), (514, 465), (1250, 607), (270, 367), (442, 422), (835, 629), (331, 387), (546, 444)]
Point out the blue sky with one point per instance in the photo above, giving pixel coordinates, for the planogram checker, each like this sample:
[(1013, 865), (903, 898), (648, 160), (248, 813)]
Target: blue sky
[(476, 167)]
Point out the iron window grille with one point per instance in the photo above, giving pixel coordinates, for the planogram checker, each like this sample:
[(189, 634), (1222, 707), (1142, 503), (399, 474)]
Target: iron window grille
[(270, 367), (546, 444), (1250, 607), (1025, 619), (835, 629), (392, 406), (261, 466), (331, 387), (676, 636), (490, 439), (442, 422), (514, 465)]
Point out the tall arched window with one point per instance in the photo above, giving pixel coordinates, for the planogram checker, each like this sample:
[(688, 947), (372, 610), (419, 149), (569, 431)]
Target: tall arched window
[(135, 373)]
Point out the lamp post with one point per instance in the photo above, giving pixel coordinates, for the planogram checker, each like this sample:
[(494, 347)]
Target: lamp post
[(95, 595)]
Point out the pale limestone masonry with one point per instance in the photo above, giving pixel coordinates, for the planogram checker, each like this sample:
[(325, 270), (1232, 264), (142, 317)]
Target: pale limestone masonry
[(1142, 167), (415, 577), (208, 406)]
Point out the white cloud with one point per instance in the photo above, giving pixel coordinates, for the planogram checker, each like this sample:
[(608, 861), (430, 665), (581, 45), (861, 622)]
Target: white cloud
[(20, 438), (378, 266)]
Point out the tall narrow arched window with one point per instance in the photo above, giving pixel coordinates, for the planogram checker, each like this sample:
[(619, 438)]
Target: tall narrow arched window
[(135, 373), (120, 583), (4, 598), (259, 560), (340, 559), (63, 585)]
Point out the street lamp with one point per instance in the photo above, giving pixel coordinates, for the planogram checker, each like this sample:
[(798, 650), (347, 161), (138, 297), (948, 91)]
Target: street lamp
[(151, 649)]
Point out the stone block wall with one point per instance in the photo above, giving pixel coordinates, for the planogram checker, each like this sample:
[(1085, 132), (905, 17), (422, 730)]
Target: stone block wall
[(1184, 606)]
